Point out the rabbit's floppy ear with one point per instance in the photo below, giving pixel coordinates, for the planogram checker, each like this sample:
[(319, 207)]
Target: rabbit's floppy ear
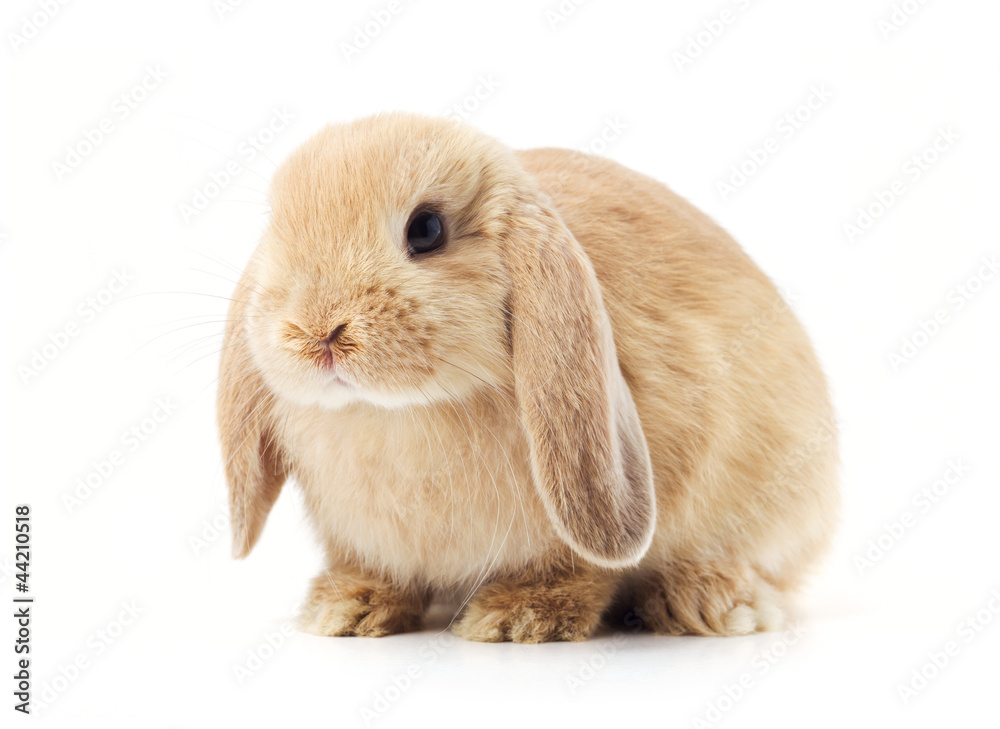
[(589, 458), (255, 470)]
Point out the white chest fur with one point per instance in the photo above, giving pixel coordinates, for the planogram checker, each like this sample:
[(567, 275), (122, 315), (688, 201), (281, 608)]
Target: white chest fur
[(441, 495)]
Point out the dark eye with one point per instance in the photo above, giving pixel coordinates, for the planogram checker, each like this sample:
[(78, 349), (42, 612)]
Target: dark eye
[(425, 234)]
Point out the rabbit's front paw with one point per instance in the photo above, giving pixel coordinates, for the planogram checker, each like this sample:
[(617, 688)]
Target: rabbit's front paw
[(340, 604), (566, 608)]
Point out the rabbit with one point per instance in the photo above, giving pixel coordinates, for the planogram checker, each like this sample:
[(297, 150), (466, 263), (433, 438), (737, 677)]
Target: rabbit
[(536, 386)]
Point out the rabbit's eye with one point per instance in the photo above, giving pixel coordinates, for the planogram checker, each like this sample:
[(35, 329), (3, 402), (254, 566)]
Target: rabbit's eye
[(425, 233)]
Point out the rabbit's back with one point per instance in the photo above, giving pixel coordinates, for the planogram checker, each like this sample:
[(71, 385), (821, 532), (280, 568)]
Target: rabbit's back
[(730, 394)]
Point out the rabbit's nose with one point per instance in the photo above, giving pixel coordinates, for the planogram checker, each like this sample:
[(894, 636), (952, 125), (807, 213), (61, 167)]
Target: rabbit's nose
[(333, 336)]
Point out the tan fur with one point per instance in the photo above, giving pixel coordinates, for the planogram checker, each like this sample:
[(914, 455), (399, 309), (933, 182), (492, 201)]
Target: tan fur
[(589, 395), (553, 601), (358, 603)]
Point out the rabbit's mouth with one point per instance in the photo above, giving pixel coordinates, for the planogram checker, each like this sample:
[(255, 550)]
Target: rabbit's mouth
[(330, 368), (336, 378)]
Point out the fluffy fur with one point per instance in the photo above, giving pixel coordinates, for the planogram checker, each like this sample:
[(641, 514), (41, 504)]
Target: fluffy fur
[(589, 402)]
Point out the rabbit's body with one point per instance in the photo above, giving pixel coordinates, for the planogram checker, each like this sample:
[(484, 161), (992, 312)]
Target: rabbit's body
[(439, 495)]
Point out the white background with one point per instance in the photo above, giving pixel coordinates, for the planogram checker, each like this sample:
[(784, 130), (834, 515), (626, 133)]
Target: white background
[(559, 81)]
